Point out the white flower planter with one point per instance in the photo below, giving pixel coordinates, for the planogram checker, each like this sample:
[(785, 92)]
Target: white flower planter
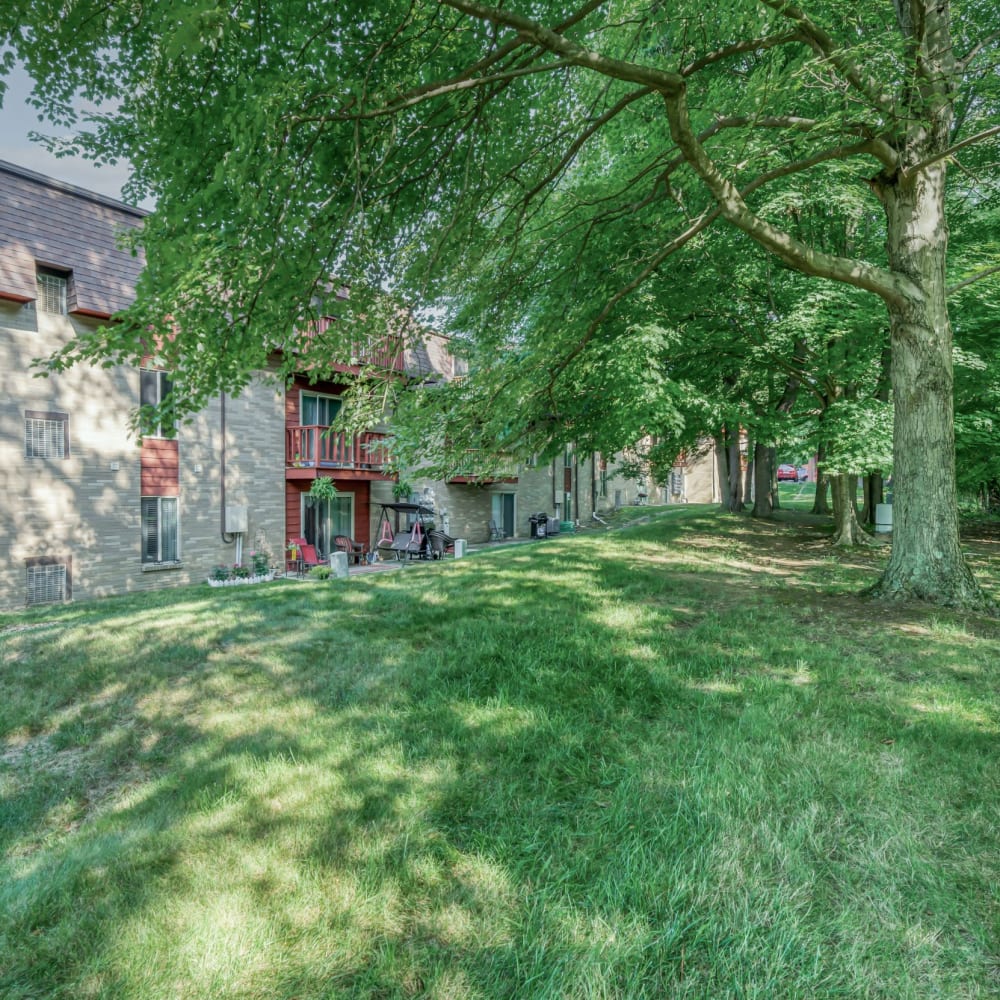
[(239, 581)]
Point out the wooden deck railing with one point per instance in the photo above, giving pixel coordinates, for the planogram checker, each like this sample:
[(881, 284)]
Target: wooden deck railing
[(385, 353), (475, 467), (320, 448)]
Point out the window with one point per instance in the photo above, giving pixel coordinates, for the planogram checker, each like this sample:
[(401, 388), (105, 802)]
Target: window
[(46, 435), (316, 410), (52, 288), (49, 580), (160, 537), (154, 388)]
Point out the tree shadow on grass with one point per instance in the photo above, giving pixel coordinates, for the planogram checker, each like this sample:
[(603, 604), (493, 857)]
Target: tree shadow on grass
[(499, 780)]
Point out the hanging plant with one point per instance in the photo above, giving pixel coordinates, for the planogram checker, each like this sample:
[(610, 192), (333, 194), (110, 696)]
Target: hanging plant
[(323, 488)]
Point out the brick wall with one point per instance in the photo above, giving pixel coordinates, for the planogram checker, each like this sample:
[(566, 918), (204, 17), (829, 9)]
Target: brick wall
[(87, 505)]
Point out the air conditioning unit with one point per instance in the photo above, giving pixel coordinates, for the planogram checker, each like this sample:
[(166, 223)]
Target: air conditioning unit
[(236, 520)]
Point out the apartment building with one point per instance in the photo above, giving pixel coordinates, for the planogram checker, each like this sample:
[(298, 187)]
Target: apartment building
[(86, 510)]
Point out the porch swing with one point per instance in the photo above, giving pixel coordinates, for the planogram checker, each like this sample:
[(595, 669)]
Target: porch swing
[(411, 541)]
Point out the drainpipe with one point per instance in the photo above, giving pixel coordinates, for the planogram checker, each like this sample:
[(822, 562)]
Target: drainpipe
[(557, 475), (576, 484), (226, 538)]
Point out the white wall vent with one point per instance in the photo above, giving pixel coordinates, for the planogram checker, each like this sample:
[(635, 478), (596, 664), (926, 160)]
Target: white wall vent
[(47, 584)]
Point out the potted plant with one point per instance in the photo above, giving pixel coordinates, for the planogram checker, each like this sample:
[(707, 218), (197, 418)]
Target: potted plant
[(322, 488)]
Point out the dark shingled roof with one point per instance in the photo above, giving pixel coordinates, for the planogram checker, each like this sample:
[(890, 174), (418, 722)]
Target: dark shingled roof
[(45, 221)]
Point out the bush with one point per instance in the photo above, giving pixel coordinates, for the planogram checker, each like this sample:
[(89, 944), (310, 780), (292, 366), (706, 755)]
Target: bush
[(320, 572), (260, 562)]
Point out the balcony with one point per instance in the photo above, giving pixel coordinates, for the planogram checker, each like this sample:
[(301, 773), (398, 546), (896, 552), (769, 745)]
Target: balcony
[(317, 451), (383, 353), (476, 467)]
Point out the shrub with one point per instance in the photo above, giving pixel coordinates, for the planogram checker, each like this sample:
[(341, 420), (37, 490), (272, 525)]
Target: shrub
[(260, 561), (320, 572)]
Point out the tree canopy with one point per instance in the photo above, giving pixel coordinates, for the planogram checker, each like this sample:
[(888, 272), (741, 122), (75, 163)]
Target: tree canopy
[(534, 171)]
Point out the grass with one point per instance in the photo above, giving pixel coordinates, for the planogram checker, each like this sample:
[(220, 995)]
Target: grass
[(676, 760)]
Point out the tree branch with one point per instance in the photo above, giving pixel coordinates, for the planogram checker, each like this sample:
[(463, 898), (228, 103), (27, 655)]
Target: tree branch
[(705, 220), (578, 142), (910, 172), (893, 288), (971, 281), (751, 45), (822, 43), (531, 31)]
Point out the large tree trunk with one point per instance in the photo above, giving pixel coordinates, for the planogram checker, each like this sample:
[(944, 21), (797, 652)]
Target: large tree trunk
[(764, 494), (727, 451), (820, 503), (873, 497), (847, 529), (747, 468), (926, 561)]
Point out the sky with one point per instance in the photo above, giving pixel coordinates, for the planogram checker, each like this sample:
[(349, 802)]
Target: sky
[(18, 118)]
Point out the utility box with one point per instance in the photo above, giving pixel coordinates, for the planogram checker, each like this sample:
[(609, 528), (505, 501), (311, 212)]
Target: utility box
[(883, 517), (236, 520)]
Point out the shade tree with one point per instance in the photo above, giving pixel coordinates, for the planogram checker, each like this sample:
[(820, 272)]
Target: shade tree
[(287, 142)]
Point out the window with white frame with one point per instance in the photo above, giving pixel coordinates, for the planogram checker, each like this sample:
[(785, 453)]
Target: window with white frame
[(154, 388), (46, 435), (48, 580), (160, 530), (53, 290), (318, 410)]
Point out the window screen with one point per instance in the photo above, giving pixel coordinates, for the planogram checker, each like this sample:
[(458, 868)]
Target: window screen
[(46, 435)]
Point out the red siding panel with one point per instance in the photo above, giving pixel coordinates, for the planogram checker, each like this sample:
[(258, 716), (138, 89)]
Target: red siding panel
[(160, 468)]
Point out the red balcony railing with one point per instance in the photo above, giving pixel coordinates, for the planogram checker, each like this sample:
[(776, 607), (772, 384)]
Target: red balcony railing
[(320, 448), (385, 353)]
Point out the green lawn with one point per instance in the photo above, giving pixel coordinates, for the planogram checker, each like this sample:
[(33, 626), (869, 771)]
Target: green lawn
[(676, 760)]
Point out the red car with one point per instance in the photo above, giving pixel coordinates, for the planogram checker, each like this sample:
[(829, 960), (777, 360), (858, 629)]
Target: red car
[(788, 474)]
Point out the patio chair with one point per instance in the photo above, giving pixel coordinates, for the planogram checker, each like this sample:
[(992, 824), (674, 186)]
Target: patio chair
[(308, 555), (440, 544), (496, 535), (355, 550)]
